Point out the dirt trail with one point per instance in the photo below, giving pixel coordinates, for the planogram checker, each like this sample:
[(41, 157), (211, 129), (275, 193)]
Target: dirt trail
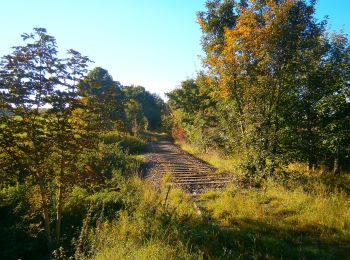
[(189, 173)]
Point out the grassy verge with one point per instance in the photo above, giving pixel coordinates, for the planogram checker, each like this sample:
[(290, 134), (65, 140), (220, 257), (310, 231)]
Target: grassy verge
[(298, 216), (222, 163), (276, 222), (273, 223), (128, 219), (148, 227)]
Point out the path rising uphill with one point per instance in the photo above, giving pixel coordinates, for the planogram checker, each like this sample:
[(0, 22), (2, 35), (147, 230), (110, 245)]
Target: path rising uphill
[(188, 172)]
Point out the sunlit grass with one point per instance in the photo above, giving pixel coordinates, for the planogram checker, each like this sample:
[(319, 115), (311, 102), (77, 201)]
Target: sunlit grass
[(284, 222), (305, 215), (222, 163), (307, 219), (148, 228), (152, 136)]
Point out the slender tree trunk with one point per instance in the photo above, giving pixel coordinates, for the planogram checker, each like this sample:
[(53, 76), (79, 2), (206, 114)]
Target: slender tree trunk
[(308, 166), (59, 199), (336, 169), (240, 113), (59, 213), (45, 212)]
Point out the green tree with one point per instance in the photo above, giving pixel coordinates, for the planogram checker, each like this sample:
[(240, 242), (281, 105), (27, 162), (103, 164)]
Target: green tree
[(219, 16), (135, 119), (152, 106), (39, 101), (69, 128), (334, 106), (194, 113), (275, 84), (25, 88), (104, 98)]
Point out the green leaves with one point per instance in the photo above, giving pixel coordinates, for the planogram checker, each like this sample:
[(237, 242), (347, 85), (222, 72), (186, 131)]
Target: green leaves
[(275, 88), (39, 102)]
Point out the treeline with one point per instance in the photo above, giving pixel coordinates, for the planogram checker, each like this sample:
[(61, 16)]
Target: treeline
[(61, 127), (129, 108), (275, 87)]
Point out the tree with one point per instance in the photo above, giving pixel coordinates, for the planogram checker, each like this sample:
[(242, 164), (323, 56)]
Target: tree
[(334, 107), (25, 88), (194, 113), (150, 104), (70, 130), (135, 119), (219, 16), (39, 102), (271, 73), (104, 98)]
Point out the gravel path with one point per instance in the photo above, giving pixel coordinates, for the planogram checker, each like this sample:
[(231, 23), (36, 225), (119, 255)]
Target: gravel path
[(188, 172)]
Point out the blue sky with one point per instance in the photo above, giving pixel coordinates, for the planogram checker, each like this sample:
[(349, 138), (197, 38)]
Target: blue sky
[(153, 43)]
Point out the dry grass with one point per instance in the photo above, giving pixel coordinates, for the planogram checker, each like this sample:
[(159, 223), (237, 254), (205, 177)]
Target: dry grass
[(308, 219), (147, 228), (285, 223), (222, 163), (306, 215)]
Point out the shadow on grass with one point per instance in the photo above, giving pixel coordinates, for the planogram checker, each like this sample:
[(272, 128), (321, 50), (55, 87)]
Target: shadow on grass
[(250, 239), (152, 136)]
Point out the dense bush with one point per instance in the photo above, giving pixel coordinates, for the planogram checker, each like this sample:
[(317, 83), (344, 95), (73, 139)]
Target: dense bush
[(127, 142), (100, 192), (21, 235)]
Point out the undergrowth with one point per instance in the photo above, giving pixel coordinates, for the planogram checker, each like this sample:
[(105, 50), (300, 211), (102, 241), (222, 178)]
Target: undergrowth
[(288, 217), (276, 222), (146, 227), (293, 215)]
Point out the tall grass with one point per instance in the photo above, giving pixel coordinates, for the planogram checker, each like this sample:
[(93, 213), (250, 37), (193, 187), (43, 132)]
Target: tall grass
[(221, 162), (293, 215), (300, 217), (284, 223), (146, 228)]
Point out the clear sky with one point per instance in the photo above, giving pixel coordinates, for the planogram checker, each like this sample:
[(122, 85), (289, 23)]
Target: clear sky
[(153, 43)]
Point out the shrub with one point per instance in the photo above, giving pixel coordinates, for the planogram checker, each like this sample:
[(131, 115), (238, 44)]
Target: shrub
[(128, 143), (20, 230), (133, 144)]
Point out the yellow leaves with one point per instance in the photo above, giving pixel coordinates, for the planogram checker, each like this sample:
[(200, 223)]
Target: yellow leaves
[(21, 135), (18, 118), (225, 87), (246, 62)]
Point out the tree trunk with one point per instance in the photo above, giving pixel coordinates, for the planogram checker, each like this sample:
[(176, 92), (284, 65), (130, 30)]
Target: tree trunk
[(45, 212), (308, 167), (59, 213), (59, 198), (336, 169)]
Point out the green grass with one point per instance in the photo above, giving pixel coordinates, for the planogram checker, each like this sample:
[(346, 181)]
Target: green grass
[(269, 223), (273, 222), (299, 215), (152, 136), (222, 163), (302, 217), (149, 227), (276, 222)]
